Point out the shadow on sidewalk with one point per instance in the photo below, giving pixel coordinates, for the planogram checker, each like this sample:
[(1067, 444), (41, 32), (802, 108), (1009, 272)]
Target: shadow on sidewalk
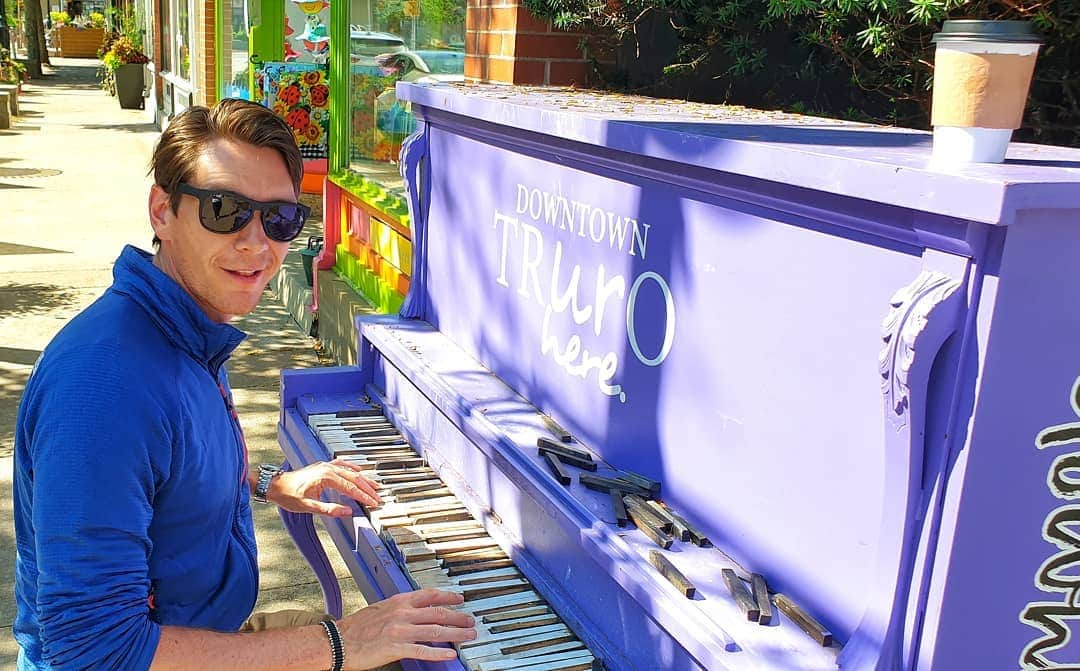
[(22, 299)]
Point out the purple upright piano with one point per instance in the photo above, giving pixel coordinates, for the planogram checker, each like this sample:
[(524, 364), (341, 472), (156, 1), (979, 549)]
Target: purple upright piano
[(849, 371)]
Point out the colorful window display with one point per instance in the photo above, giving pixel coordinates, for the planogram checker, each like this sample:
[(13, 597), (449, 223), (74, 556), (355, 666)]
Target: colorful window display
[(300, 94), (392, 40), (307, 38)]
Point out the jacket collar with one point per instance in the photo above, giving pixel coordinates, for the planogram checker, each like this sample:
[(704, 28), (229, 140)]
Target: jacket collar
[(174, 311)]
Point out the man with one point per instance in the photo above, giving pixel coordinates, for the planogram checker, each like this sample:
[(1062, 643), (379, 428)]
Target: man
[(133, 524)]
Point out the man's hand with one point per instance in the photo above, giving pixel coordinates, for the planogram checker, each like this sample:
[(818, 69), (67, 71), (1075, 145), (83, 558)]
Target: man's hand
[(398, 627), (299, 491)]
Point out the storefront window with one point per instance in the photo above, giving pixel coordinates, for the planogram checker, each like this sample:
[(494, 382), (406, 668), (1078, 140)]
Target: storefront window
[(392, 40), (183, 40), (166, 60), (235, 50)]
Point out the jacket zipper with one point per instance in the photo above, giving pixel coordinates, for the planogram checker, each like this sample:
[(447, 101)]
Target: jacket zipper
[(243, 454)]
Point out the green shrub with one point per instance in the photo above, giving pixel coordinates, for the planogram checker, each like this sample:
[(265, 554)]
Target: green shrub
[(862, 59)]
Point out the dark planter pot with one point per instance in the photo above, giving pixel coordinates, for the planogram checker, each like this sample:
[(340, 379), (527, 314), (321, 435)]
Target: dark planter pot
[(129, 86)]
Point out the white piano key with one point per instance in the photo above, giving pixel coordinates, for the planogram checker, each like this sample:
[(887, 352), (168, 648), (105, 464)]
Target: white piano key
[(483, 606), (407, 497), (505, 637), (486, 589), (509, 645), (465, 545), (484, 576), (522, 623), (516, 613), (553, 662)]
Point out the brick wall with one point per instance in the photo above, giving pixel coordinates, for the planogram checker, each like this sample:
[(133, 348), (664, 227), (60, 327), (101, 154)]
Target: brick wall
[(204, 59), (505, 43)]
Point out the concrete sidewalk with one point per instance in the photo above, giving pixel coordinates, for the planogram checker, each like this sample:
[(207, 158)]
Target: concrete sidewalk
[(73, 191)]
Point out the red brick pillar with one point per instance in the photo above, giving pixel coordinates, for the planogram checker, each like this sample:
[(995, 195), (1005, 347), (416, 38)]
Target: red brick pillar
[(505, 43), (203, 60)]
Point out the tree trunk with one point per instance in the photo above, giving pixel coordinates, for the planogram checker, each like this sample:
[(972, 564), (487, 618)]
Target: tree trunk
[(33, 26), (5, 35), (41, 38)]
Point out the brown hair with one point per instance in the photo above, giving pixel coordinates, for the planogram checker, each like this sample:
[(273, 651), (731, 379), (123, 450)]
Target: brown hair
[(191, 131)]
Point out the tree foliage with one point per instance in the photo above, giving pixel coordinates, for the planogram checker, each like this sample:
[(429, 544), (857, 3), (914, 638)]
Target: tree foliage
[(865, 59)]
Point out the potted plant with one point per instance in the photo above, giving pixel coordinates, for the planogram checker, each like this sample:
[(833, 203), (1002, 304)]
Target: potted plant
[(76, 39), (124, 63), (11, 71)]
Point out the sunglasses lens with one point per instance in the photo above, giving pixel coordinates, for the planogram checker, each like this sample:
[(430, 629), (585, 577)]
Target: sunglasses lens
[(284, 222), (224, 213)]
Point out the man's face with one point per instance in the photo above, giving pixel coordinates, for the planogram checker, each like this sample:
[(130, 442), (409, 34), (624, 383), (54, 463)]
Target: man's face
[(224, 273)]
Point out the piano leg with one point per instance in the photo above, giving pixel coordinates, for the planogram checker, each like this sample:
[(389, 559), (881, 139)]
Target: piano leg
[(301, 527)]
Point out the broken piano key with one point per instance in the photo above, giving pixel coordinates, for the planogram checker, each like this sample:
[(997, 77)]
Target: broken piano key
[(652, 486), (646, 526), (807, 623), (617, 505), (567, 458), (682, 527), (635, 504), (547, 444), (556, 428), (600, 483), (761, 596), (556, 468), (741, 595), (673, 575)]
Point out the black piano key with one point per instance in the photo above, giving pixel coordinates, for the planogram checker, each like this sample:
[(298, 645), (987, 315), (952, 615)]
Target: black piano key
[(655, 534), (364, 412), (556, 429), (635, 504), (673, 575), (621, 518), (761, 596), (804, 620), (556, 468), (562, 448), (601, 484), (741, 595), (641, 481)]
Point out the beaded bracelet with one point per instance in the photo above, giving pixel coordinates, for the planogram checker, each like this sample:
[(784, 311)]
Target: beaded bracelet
[(337, 648)]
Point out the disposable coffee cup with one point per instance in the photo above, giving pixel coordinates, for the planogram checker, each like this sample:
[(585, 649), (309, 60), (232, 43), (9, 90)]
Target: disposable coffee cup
[(982, 73)]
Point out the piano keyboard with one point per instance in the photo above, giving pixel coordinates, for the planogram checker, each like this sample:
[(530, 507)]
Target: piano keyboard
[(438, 544)]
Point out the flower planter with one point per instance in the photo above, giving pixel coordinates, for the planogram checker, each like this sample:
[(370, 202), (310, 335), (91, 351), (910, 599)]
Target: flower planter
[(130, 80), (80, 42)]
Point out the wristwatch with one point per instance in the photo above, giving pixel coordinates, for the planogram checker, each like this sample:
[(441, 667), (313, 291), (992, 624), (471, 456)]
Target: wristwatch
[(267, 473)]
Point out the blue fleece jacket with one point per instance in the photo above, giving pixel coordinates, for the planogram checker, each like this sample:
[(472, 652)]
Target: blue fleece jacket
[(131, 499)]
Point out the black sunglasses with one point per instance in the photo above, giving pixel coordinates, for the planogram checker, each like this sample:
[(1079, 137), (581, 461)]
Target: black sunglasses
[(223, 211)]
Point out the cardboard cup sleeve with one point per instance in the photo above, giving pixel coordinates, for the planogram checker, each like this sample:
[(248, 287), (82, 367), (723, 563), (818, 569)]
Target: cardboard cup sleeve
[(980, 90)]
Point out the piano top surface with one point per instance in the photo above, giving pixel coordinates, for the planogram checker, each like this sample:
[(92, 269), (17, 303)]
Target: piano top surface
[(877, 163)]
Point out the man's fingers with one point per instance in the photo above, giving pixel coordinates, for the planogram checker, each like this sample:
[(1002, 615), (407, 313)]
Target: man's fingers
[(346, 486), (353, 473), (441, 615), (434, 597), (440, 633), (331, 509), (428, 653)]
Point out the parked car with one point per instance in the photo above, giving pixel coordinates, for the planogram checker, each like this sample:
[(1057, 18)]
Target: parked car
[(366, 45), (443, 62)]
